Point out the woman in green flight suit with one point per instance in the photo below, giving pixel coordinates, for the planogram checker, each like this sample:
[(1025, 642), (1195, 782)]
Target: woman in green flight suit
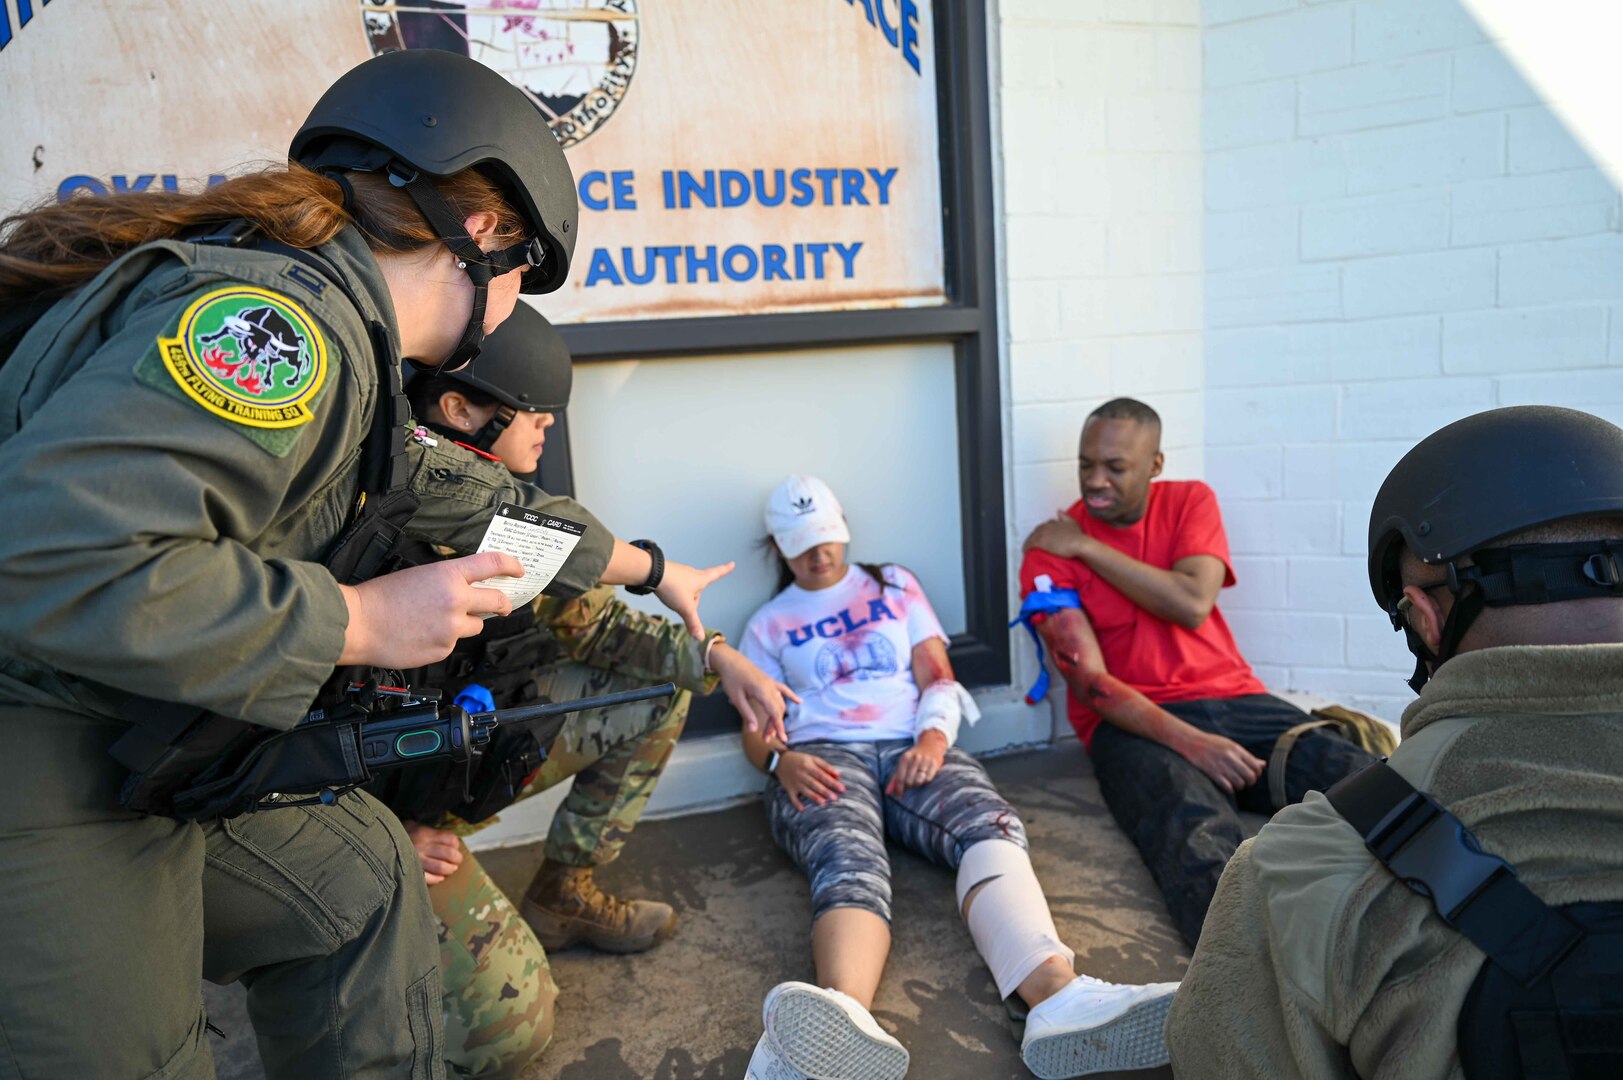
[(181, 424)]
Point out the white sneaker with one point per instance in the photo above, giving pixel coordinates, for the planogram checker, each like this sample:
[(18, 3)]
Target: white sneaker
[(765, 1064), (828, 1036), (1093, 1026)]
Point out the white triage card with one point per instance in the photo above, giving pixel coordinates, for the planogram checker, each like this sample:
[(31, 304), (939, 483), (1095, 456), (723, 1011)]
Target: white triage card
[(540, 541)]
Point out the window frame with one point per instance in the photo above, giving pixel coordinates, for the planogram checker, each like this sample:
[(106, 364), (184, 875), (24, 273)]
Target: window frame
[(967, 321)]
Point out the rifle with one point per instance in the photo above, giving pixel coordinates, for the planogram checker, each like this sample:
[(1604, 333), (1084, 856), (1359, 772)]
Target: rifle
[(334, 750)]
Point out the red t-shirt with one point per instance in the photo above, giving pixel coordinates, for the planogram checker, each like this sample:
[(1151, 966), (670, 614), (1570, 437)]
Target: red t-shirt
[(1160, 659)]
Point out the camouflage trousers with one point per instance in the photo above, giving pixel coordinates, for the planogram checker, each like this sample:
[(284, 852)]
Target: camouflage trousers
[(499, 993)]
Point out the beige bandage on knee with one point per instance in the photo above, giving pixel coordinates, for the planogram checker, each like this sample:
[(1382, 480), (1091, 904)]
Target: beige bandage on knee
[(1009, 921)]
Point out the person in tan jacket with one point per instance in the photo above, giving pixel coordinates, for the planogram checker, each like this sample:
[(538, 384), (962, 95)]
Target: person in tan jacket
[(1494, 545)]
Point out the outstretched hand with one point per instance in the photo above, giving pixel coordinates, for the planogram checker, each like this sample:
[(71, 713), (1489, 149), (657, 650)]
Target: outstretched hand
[(681, 588)]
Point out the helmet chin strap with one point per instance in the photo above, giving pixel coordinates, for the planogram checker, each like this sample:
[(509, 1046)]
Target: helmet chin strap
[(480, 266), (1510, 576), (485, 437), (1422, 656), (491, 430), (1468, 604)]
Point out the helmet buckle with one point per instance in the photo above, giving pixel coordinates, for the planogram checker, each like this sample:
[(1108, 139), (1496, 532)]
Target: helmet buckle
[(400, 174), (1602, 570), (1399, 614)]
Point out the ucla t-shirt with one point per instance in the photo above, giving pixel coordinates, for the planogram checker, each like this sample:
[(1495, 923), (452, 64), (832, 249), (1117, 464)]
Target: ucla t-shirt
[(847, 650)]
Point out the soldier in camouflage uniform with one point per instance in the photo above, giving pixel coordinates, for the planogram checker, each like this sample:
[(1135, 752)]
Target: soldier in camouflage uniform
[(499, 992)]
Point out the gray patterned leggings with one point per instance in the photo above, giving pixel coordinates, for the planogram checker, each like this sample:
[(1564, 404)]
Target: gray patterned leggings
[(841, 844)]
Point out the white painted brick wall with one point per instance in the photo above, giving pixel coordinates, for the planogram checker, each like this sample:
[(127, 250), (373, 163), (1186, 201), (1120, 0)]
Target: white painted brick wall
[(1388, 28), (1099, 104), (1398, 232), (1372, 95), (1374, 225), (1289, 42)]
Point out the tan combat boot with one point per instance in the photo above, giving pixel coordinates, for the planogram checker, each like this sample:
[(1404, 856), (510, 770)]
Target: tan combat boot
[(563, 905)]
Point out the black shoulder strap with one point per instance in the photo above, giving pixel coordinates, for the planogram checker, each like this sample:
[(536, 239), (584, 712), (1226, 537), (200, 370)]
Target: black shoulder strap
[(1431, 851), (18, 319), (362, 550)]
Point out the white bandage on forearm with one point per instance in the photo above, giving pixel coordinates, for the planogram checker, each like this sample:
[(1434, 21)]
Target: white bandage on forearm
[(1009, 921), (943, 706)]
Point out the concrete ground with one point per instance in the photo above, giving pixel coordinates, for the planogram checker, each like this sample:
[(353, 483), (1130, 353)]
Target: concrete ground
[(690, 1009)]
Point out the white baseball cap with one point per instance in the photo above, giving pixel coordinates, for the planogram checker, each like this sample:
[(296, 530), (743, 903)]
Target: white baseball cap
[(802, 513)]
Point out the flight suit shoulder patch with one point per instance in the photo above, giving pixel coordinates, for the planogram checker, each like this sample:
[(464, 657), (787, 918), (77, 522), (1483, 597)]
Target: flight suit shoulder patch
[(252, 357)]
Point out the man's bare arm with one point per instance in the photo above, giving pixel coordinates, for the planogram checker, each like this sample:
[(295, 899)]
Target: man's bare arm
[(1184, 595), (1070, 638)]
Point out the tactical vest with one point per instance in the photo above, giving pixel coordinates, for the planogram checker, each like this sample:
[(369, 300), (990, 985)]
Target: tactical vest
[(502, 661), (501, 658), (168, 743), (1548, 1003)]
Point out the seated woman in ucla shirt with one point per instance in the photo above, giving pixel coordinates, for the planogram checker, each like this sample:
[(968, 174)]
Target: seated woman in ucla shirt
[(870, 754)]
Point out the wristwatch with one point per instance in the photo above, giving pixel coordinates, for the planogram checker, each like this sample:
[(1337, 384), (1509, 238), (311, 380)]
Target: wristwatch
[(772, 760), (656, 572)]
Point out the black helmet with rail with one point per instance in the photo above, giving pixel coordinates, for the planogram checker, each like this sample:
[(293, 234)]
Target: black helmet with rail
[(524, 367), (422, 114), (1487, 477)]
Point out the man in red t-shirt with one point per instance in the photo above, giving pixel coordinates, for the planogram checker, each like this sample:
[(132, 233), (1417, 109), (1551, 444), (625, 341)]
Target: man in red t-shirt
[(1187, 728)]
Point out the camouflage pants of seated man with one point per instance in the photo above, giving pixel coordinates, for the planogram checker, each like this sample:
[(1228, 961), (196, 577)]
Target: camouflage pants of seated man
[(499, 992)]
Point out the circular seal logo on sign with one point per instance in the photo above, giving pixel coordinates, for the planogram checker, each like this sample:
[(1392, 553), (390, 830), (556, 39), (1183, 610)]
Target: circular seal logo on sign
[(248, 355), (574, 58)]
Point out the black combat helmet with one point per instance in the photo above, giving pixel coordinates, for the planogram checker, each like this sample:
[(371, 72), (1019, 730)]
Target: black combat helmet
[(440, 113), (421, 114), (525, 366), (1486, 477)]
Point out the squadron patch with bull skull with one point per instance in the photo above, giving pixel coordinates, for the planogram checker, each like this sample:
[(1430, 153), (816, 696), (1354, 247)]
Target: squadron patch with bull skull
[(248, 355)]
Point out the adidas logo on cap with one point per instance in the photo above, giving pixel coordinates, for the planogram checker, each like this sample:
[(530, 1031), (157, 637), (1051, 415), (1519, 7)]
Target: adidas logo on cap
[(802, 512)]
